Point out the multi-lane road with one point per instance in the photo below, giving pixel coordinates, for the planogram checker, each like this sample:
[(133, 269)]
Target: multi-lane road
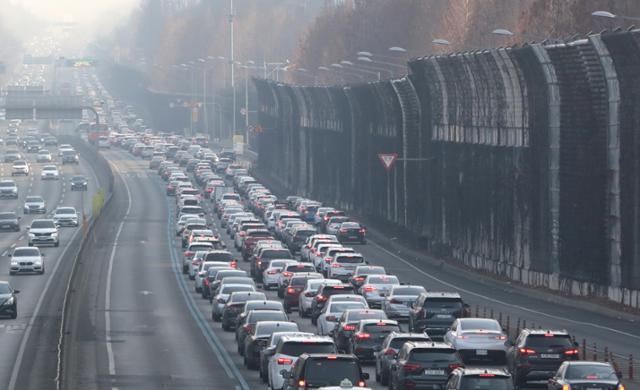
[(149, 329), (25, 355)]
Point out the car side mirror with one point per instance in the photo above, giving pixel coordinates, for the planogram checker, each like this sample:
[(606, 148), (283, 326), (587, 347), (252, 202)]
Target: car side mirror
[(9, 254), (16, 291), (510, 343), (576, 344), (619, 374), (365, 376)]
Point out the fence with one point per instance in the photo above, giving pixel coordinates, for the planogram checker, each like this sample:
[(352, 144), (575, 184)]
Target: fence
[(520, 161)]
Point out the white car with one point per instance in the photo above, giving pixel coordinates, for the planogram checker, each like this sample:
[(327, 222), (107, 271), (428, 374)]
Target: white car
[(49, 172), (271, 275), (398, 301), (310, 290), (8, 189), (289, 349), (20, 167), (317, 257), (43, 232), (184, 219), (44, 156), (201, 274), (34, 204), (332, 311), (331, 252), (343, 265), (25, 259), (478, 340), (66, 216)]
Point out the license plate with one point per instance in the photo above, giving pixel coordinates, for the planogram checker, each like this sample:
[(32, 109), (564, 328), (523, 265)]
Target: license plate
[(443, 316), (482, 352), (434, 372), (549, 355)]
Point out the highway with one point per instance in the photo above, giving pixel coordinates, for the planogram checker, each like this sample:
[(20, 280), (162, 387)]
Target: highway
[(154, 331), (27, 343)]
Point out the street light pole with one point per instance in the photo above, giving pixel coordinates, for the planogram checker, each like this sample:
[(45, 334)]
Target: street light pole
[(232, 63)]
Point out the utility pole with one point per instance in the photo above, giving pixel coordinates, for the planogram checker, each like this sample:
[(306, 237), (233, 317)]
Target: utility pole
[(204, 100), (246, 100), (232, 62)]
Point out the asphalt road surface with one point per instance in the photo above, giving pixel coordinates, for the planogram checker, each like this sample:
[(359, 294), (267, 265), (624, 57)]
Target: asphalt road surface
[(151, 330), (25, 342)]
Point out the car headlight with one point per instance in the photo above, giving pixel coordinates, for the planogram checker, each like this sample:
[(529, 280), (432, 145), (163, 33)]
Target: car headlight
[(9, 301), (54, 234), (14, 263), (31, 235)]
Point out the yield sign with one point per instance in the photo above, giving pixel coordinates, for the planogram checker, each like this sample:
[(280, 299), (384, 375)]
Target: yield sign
[(387, 160)]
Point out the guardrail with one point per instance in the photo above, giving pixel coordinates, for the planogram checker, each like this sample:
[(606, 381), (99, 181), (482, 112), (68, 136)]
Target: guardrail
[(516, 161)]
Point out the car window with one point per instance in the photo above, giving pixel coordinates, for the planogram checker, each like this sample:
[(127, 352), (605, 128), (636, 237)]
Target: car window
[(438, 304), (42, 225), (408, 291), (590, 372), (473, 324), (380, 328), (297, 348), (342, 306), (266, 316), (269, 328), (230, 289), (546, 341), (66, 210), (434, 355), (330, 372), (383, 279), (350, 260), (21, 252), (4, 288), (398, 342), (365, 315), (485, 383)]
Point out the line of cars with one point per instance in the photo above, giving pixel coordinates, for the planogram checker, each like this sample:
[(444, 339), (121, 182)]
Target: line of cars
[(299, 247), (41, 231)]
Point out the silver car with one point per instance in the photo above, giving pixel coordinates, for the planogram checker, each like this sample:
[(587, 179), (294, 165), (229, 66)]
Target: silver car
[(478, 340), (66, 216), (397, 303), (223, 296), (376, 287), (34, 204), (271, 275)]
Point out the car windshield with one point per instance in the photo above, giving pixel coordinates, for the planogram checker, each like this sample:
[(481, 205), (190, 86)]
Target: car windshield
[(477, 324), (486, 383), (380, 328), (342, 306), (78, 178), (275, 254), (355, 316), (235, 298), (49, 168), (34, 199), (66, 210), (234, 288), (590, 372), (330, 372), (4, 288), (23, 252), (350, 259), (549, 341), (43, 225), (7, 216), (438, 304), (350, 225), (413, 291), (265, 329), (297, 348), (434, 355), (384, 279), (263, 315), (219, 256), (7, 184)]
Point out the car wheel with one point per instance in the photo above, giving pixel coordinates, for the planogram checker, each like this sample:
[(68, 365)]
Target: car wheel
[(57, 244), (14, 315), (225, 327), (30, 244)]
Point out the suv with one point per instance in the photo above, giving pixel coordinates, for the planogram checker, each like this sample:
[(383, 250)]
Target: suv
[(34, 204), (235, 304), (9, 221), (70, 157), (537, 354), (386, 356), (287, 351), (348, 322), (479, 378), (424, 365), (317, 370), (343, 265), (25, 259), (434, 312), (43, 232), (8, 189), (368, 337), (258, 337)]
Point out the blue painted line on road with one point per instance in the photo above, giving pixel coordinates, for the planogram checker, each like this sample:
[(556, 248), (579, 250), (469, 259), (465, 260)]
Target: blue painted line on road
[(223, 356)]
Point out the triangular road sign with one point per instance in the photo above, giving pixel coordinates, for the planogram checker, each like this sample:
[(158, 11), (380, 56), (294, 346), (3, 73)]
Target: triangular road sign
[(387, 160)]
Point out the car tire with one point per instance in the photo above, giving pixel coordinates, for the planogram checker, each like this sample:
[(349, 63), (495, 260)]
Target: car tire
[(57, 244), (226, 327), (384, 379), (30, 244), (240, 350), (14, 315)]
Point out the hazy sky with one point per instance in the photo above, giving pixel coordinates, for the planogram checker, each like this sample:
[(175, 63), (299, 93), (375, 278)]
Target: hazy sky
[(75, 10)]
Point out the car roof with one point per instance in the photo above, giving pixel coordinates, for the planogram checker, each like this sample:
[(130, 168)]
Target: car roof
[(377, 321), (310, 338), (429, 345), (479, 371), (430, 294)]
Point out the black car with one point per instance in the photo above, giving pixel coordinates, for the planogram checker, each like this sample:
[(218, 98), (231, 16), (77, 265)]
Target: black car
[(386, 356), (9, 221), (352, 232), (79, 183), (434, 313), (585, 375), (235, 305), (537, 354), (258, 338), (70, 157), (423, 365), (348, 322), (312, 371), (479, 378), (8, 300), (367, 339), (324, 292)]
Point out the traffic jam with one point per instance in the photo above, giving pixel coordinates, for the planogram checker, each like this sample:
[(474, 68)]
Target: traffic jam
[(284, 275)]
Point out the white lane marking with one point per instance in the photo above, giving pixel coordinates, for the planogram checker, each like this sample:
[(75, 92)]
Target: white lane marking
[(34, 316), (5, 252), (526, 309), (107, 297)]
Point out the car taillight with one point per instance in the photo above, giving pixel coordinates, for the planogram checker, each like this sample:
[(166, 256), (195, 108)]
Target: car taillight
[(234, 264), (453, 366), (291, 290), (411, 367), (390, 352), (188, 254), (248, 328), (302, 383), (363, 230), (327, 259), (320, 298), (284, 361), (343, 230), (309, 294), (363, 336), (243, 233), (361, 383), (220, 300), (487, 375), (501, 337), (287, 274), (571, 352), (336, 265), (349, 327), (272, 271), (462, 337), (395, 301), (527, 351), (369, 288), (566, 387), (330, 318)]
